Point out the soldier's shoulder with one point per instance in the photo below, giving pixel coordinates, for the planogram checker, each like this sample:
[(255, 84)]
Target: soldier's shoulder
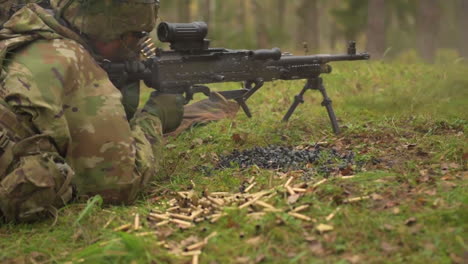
[(61, 52)]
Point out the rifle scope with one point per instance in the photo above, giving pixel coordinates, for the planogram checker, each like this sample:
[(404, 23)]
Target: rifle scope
[(182, 32)]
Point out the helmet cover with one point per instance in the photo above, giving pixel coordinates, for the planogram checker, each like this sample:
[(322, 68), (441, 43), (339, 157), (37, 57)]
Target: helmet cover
[(107, 20)]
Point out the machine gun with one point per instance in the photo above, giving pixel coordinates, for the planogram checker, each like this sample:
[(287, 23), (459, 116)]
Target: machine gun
[(191, 64)]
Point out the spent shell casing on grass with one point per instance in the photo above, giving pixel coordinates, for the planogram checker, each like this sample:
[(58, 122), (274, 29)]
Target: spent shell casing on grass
[(300, 216), (289, 181), (159, 216), (250, 202), (219, 194), (332, 214), (301, 208), (196, 246), (162, 223), (181, 217), (183, 195), (136, 222), (299, 190), (290, 190), (356, 199), (210, 236), (216, 201), (182, 223), (251, 180), (319, 183), (199, 219), (174, 208), (144, 234), (250, 187), (123, 228), (191, 253), (195, 259), (109, 221)]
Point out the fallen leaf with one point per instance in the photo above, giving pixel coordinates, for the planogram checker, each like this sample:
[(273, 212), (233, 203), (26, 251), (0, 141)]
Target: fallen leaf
[(317, 248), (330, 237), (410, 146), (242, 260), (457, 259), (447, 186), (421, 153), (171, 146), (293, 198), (387, 247), (396, 210), (465, 156), (414, 229), (254, 241), (411, 221), (347, 171), (239, 138), (260, 258), (197, 141), (438, 202), (322, 228), (430, 246), (388, 227), (354, 259), (189, 241)]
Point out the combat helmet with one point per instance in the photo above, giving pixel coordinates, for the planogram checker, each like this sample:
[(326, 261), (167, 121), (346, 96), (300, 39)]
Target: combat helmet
[(107, 20)]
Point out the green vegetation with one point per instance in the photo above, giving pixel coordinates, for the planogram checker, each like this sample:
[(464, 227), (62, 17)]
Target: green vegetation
[(410, 116)]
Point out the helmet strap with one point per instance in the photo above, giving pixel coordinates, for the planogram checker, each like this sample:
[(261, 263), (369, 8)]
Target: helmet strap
[(60, 12)]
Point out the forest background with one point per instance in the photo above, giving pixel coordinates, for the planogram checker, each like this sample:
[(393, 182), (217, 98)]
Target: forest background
[(385, 28)]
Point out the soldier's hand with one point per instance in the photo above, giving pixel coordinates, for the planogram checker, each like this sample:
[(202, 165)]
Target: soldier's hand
[(168, 107)]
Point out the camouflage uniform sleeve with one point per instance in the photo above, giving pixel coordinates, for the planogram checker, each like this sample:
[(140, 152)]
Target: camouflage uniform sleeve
[(69, 97)]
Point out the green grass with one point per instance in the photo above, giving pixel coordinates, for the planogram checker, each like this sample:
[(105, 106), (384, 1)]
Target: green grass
[(410, 116)]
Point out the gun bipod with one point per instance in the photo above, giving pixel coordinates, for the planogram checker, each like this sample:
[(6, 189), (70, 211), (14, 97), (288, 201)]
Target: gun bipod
[(314, 84)]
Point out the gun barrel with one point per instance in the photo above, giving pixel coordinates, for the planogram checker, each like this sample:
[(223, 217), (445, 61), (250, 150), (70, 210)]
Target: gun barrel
[(322, 59)]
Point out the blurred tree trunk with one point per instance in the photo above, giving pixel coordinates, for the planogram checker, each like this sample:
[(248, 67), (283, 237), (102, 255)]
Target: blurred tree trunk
[(263, 40), (428, 22), (463, 16), (376, 28), (184, 14), (242, 16), (281, 14), (205, 8), (308, 27)]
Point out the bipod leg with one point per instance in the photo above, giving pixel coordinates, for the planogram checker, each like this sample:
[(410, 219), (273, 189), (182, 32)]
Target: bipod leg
[(298, 99), (327, 102)]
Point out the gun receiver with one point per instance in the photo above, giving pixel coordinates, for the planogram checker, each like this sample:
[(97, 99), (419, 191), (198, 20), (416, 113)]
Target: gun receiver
[(191, 64)]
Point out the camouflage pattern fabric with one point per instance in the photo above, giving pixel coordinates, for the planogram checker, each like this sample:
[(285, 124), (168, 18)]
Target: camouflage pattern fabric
[(8, 7), (205, 111), (108, 19), (52, 80)]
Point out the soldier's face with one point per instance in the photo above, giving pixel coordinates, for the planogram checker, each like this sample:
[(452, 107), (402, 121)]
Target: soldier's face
[(120, 49)]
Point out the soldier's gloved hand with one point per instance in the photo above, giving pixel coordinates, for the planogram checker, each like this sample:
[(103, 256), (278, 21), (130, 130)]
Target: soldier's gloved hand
[(168, 107)]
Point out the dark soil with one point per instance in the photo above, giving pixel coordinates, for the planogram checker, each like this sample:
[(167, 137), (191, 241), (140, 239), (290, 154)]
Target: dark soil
[(323, 160)]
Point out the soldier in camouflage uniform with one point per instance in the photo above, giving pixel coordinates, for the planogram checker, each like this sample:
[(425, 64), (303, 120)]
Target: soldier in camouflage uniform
[(64, 130)]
